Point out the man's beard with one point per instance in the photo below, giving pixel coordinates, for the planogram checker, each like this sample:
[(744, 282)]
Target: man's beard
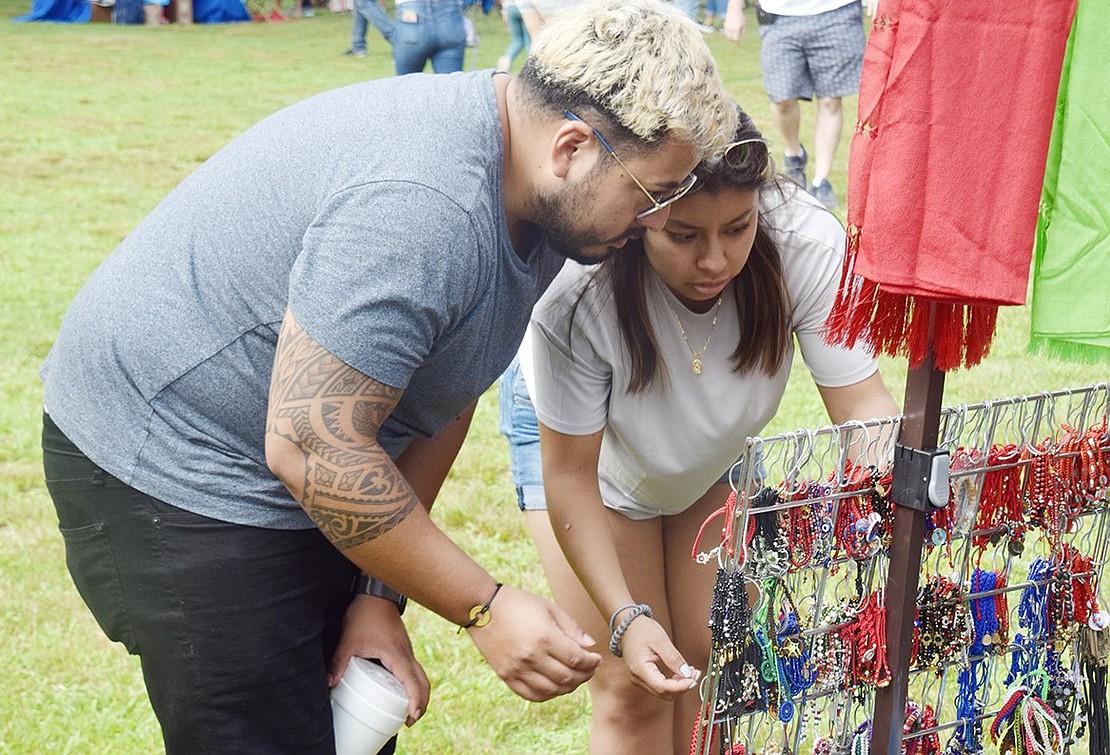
[(560, 219)]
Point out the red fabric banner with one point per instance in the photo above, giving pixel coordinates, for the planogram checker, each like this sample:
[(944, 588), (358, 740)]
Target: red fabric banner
[(945, 172)]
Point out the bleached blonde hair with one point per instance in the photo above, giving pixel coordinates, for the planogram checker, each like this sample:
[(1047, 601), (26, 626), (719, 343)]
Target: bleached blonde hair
[(641, 64)]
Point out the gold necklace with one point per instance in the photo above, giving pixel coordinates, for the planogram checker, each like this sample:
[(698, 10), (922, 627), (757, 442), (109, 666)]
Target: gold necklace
[(696, 365)]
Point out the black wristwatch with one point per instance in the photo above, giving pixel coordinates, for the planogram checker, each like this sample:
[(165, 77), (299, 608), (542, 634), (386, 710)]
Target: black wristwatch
[(365, 585)]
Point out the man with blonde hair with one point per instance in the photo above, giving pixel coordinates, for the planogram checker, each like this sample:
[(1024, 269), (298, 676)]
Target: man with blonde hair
[(253, 402)]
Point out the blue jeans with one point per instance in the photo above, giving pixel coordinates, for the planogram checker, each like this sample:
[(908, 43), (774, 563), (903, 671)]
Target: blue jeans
[(521, 428), (716, 8), (428, 30), (369, 12), (519, 41), (688, 7), (234, 625)]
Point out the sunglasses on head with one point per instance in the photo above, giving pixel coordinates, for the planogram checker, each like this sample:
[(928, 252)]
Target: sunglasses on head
[(741, 154)]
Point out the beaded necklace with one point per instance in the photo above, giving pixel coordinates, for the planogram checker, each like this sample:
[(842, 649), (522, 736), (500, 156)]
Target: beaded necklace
[(990, 613), (861, 739), (730, 629), (1094, 473), (767, 552), (803, 528), (969, 733), (1000, 505), (866, 637), (858, 528), (917, 719), (830, 649), (1033, 622), (785, 658), (942, 627)]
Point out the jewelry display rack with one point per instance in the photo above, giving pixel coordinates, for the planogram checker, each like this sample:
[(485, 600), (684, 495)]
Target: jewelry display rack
[(1003, 619)]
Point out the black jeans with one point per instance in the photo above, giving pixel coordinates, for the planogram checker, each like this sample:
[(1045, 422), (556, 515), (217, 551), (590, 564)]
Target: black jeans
[(234, 625)]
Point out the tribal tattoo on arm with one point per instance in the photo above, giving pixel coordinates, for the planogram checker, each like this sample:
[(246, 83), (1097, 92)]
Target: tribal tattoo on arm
[(351, 489)]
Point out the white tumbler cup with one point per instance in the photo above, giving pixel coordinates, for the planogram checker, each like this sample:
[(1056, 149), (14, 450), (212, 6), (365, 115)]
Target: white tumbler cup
[(368, 707)]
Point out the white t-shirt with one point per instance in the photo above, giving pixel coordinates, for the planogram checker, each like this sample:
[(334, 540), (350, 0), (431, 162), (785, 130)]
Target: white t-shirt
[(802, 7), (548, 9), (664, 447)]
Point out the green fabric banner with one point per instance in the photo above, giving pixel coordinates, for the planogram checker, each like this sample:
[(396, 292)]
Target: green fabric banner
[(1071, 278)]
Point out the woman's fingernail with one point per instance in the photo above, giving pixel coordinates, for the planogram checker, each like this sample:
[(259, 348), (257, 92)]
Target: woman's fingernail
[(686, 671), (693, 683)]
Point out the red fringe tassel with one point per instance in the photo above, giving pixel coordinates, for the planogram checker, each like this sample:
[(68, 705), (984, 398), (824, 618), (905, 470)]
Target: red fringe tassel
[(898, 325)]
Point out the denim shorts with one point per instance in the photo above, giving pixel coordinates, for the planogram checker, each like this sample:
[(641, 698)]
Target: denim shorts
[(521, 428)]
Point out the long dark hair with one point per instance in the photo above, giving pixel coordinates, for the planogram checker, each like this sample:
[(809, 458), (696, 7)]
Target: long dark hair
[(762, 302)]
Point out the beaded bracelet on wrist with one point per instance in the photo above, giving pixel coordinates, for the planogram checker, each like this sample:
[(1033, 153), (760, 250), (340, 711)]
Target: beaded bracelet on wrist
[(635, 612)]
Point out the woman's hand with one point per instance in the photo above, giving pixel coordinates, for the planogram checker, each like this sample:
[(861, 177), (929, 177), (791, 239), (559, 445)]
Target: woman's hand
[(648, 652), (372, 628)]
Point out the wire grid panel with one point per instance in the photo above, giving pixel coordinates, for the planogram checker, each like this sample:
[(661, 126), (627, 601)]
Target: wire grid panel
[(964, 688), (828, 479), (1007, 440)]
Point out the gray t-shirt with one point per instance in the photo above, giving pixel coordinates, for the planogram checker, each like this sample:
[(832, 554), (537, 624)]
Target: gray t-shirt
[(375, 213)]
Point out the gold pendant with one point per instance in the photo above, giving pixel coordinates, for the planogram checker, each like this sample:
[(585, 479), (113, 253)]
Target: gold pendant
[(696, 366)]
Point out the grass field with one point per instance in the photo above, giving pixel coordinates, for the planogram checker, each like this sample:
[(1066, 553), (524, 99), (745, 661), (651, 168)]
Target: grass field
[(97, 123)]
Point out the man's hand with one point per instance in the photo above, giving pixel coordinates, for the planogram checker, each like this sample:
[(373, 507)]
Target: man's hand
[(534, 646), (372, 628)]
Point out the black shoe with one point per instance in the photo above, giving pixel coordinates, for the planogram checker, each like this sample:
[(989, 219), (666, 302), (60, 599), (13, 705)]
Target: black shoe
[(794, 167), (824, 194)]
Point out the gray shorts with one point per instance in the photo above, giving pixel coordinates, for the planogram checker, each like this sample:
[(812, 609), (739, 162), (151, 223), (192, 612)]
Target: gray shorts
[(813, 56)]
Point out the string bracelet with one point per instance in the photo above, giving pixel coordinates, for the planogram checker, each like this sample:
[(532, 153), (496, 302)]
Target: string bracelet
[(635, 612), (479, 615)]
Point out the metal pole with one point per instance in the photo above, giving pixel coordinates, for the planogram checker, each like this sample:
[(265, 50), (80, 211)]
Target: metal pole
[(920, 429)]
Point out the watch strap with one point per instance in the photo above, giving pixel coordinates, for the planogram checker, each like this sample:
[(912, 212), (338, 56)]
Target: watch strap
[(365, 585)]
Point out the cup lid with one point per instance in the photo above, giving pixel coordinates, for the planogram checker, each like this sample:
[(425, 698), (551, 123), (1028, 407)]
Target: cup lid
[(373, 683)]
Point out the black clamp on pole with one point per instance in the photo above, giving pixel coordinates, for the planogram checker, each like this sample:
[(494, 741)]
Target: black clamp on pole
[(920, 478)]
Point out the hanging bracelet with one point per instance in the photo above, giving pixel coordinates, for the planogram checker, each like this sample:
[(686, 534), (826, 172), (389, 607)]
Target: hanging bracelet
[(638, 610), (365, 585), (479, 615)]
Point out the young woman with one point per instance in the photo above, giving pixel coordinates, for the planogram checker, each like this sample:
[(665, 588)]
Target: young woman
[(650, 370)]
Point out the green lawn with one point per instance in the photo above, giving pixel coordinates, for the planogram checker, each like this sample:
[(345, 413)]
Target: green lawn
[(97, 123)]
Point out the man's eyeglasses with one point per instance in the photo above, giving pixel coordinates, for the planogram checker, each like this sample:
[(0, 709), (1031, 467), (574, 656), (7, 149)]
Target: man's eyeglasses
[(657, 202)]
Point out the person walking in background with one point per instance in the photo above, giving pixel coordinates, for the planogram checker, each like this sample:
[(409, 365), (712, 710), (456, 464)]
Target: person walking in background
[(714, 14), (258, 394), (810, 48), (650, 370), (536, 13), (368, 13), (428, 31), (421, 32), (519, 41)]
